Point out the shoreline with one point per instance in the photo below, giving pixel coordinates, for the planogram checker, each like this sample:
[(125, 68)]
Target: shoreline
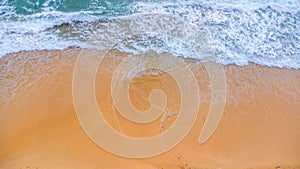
[(39, 127)]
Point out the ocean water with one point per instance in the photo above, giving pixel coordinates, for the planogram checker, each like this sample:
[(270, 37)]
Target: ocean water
[(266, 32)]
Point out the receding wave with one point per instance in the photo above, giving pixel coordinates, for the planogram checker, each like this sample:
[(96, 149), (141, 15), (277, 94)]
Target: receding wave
[(264, 32)]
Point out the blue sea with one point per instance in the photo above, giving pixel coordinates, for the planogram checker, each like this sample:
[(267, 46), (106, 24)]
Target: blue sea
[(265, 32)]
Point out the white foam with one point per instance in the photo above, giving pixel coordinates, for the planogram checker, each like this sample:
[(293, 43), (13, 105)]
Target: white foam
[(264, 32)]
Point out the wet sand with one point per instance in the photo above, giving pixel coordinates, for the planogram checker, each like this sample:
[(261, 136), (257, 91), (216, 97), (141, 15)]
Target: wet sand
[(39, 127)]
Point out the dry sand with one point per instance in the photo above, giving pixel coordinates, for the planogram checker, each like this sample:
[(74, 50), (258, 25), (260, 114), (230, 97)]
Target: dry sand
[(39, 127)]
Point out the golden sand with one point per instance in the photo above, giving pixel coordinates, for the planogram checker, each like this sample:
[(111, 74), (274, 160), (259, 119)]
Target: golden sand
[(39, 127)]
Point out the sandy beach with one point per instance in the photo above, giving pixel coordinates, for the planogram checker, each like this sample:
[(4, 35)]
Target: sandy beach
[(39, 128)]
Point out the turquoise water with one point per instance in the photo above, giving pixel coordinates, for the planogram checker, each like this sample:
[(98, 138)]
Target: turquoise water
[(27, 7), (265, 32)]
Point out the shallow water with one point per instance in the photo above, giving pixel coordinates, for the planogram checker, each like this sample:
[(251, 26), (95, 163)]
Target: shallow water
[(264, 32)]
